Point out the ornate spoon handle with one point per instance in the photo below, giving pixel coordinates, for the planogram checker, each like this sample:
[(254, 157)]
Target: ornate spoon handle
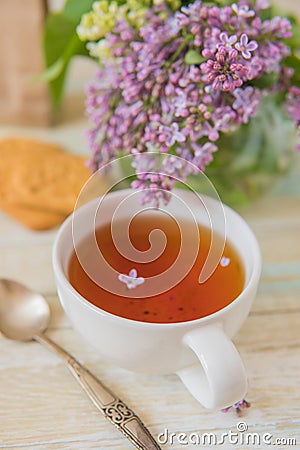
[(116, 411)]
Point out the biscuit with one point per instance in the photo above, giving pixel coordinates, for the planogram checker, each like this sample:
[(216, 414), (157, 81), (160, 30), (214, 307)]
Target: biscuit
[(40, 182), (35, 219)]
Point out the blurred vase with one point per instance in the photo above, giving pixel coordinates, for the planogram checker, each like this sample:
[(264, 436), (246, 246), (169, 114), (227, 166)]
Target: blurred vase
[(253, 158), (249, 161), (22, 102)]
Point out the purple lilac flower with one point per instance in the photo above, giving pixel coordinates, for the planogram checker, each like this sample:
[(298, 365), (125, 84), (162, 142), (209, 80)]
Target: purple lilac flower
[(131, 280), (271, 55), (246, 102), (170, 134), (218, 16), (227, 41), (150, 99), (152, 178), (292, 108), (203, 154), (262, 4), (223, 69), (177, 168), (242, 10), (246, 47), (223, 116), (255, 68), (278, 26), (238, 406)]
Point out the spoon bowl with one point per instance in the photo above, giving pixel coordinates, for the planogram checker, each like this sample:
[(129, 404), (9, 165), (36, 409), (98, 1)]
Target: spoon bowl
[(24, 316), (23, 313)]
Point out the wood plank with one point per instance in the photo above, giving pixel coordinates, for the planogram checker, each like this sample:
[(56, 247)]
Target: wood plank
[(44, 388), (28, 264), (41, 406)]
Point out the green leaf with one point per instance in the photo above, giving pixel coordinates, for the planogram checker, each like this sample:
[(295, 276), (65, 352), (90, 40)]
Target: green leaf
[(294, 40), (74, 47), (51, 73), (57, 34), (58, 31), (292, 61), (266, 80), (74, 9), (194, 57), (217, 2), (61, 43)]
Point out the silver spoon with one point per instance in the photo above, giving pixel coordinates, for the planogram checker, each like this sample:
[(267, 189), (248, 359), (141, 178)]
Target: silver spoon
[(24, 316)]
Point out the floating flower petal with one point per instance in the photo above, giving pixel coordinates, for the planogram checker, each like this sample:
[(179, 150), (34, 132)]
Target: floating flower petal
[(224, 261), (131, 280)]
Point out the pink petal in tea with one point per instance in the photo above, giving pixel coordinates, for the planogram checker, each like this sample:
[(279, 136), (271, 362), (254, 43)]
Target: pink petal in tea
[(225, 261), (131, 280)]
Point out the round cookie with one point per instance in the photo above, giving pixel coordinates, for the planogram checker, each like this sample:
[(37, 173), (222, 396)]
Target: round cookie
[(40, 182)]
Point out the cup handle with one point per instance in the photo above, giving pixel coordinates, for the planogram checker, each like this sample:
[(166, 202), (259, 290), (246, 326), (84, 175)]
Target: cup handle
[(220, 379)]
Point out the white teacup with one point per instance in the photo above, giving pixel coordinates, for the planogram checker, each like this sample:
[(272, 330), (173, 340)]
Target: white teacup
[(200, 351)]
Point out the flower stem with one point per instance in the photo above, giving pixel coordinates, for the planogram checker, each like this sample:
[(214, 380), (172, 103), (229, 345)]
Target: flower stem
[(179, 50)]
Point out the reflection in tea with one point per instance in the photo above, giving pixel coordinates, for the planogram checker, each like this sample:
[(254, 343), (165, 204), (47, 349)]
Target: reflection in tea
[(186, 300)]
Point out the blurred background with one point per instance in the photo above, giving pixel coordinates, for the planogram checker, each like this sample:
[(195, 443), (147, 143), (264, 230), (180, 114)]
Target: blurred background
[(26, 103)]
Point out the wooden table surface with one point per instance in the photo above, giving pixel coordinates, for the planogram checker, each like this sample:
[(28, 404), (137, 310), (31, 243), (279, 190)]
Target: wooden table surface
[(42, 407)]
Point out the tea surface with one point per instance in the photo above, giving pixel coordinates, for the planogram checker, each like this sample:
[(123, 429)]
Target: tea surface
[(188, 300)]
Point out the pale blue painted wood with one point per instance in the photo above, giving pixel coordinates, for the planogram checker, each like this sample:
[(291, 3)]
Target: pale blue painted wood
[(281, 269)]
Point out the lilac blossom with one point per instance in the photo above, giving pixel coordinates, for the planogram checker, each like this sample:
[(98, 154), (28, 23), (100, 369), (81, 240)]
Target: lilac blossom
[(243, 11), (262, 4), (227, 41), (292, 108), (246, 47), (224, 262), (223, 69), (131, 280), (246, 102), (170, 134), (238, 406), (203, 154), (278, 26), (149, 98)]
